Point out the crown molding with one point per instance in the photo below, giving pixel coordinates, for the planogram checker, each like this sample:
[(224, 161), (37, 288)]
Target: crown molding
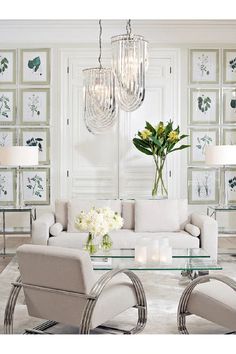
[(86, 31)]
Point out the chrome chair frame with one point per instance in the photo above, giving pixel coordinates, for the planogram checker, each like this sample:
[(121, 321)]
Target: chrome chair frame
[(92, 299), (182, 312)]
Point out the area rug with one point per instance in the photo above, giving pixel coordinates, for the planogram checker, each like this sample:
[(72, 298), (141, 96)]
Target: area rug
[(163, 290)]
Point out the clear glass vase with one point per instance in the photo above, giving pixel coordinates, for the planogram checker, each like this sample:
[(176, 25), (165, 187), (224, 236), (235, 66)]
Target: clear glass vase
[(107, 243), (91, 244), (159, 190)]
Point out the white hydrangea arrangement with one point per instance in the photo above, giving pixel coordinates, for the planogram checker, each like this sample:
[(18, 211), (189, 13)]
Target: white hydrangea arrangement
[(98, 222)]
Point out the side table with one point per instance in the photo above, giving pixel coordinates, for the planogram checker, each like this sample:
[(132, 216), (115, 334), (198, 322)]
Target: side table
[(213, 210), (16, 230)]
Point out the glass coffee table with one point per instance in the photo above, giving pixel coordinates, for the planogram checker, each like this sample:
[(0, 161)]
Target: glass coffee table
[(190, 261)]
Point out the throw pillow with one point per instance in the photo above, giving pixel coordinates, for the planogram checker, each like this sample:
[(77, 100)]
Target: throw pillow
[(156, 215), (56, 229), (192, 230)]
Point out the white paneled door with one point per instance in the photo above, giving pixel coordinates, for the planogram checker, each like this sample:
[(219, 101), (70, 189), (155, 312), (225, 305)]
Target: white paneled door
[(109, 166)]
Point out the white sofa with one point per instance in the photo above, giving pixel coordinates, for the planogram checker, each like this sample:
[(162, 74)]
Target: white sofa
[(142, 218)]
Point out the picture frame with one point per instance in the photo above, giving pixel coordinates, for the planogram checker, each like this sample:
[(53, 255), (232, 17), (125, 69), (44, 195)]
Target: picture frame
[(229, 66), (37, 137), (7, 106), (203, 186), (7, 137), (203, 106), (229, 136), (36, 186), (230, 184), (204, 66), (7, 66), (199, 139), (35, 66), (229, 102), (8, 187), (35, 106)]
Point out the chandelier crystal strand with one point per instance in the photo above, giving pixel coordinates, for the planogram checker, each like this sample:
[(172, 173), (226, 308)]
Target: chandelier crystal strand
[(129, 63), (100, 108)]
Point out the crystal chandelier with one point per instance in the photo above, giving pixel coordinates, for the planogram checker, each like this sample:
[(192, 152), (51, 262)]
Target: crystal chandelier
[(100, 108), (129, 63)]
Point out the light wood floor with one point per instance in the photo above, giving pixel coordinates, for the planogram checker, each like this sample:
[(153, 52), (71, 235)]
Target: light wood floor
[(225, 243)]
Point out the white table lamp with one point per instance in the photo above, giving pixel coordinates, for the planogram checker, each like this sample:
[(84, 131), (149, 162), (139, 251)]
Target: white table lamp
[(19, 156), (221, 156)]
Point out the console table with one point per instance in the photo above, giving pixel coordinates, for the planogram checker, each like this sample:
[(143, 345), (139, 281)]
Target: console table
[(16, 230), (213, 210)]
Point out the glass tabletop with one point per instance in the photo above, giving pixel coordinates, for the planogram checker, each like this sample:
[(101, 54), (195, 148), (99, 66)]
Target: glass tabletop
[(223, 208), (182, 259), (129, 253), (185, 264)]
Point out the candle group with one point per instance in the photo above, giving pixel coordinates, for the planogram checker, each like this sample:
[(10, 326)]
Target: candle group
[(153, 252)]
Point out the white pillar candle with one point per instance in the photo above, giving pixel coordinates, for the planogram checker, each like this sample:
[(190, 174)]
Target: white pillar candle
[(165, 255), (141, 250), (154, 252)]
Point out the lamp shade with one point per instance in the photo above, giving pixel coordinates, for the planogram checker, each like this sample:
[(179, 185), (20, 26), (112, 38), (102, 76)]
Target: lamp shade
[(219, 155), (19, 156)]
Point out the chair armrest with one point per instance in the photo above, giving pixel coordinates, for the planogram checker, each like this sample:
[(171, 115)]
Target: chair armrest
[(183, 302), (209, 233), (40, 228), (97, 290)]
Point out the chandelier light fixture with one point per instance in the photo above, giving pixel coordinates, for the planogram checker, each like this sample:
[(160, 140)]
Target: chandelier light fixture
[(129, 63), (100, 108)]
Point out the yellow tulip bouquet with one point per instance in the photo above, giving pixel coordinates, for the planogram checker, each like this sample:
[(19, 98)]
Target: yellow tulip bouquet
[(159, 141)]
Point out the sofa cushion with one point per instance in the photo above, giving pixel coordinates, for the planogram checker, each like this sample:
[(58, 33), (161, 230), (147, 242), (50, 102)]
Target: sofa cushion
[(128, 207), (192, 230), (184, 218), (126, 239), (75, 206), (157, 215), (61, 212)]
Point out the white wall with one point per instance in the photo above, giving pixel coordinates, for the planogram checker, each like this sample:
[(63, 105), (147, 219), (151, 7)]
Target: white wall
[(68, 34)]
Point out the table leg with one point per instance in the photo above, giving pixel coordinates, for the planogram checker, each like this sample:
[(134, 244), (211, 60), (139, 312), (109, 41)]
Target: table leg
[(4, 232)]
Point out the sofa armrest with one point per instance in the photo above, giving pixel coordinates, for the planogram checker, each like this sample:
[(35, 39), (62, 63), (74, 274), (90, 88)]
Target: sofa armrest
[(209, 233), (40, 228)]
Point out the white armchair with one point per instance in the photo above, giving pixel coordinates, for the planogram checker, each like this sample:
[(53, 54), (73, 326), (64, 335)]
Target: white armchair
[(212, 297), (60, 285)]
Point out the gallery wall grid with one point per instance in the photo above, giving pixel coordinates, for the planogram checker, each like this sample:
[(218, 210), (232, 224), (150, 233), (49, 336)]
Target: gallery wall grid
[(25, 114), (211, 120)]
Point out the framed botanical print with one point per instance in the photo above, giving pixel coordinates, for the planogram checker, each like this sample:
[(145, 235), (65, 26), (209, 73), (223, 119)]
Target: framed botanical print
[(7, 137), (203, 186), (7, 107), (7, 186), (35, 66), (204, 106), (229, 136), (35, 106), (199, 140), (204, 66), (7, 66), (229, 66), (229, 106), (37, 137), (36, 186), (230, 184)]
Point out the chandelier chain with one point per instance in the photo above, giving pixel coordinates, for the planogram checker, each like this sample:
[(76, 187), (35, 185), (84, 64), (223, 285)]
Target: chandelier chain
[(128, 28), (100, 45)]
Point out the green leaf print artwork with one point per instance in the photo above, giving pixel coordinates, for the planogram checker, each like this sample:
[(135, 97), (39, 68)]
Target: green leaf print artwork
[(4, 106), (3, 64), (34, 64), (35, 185), (204, 103)]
